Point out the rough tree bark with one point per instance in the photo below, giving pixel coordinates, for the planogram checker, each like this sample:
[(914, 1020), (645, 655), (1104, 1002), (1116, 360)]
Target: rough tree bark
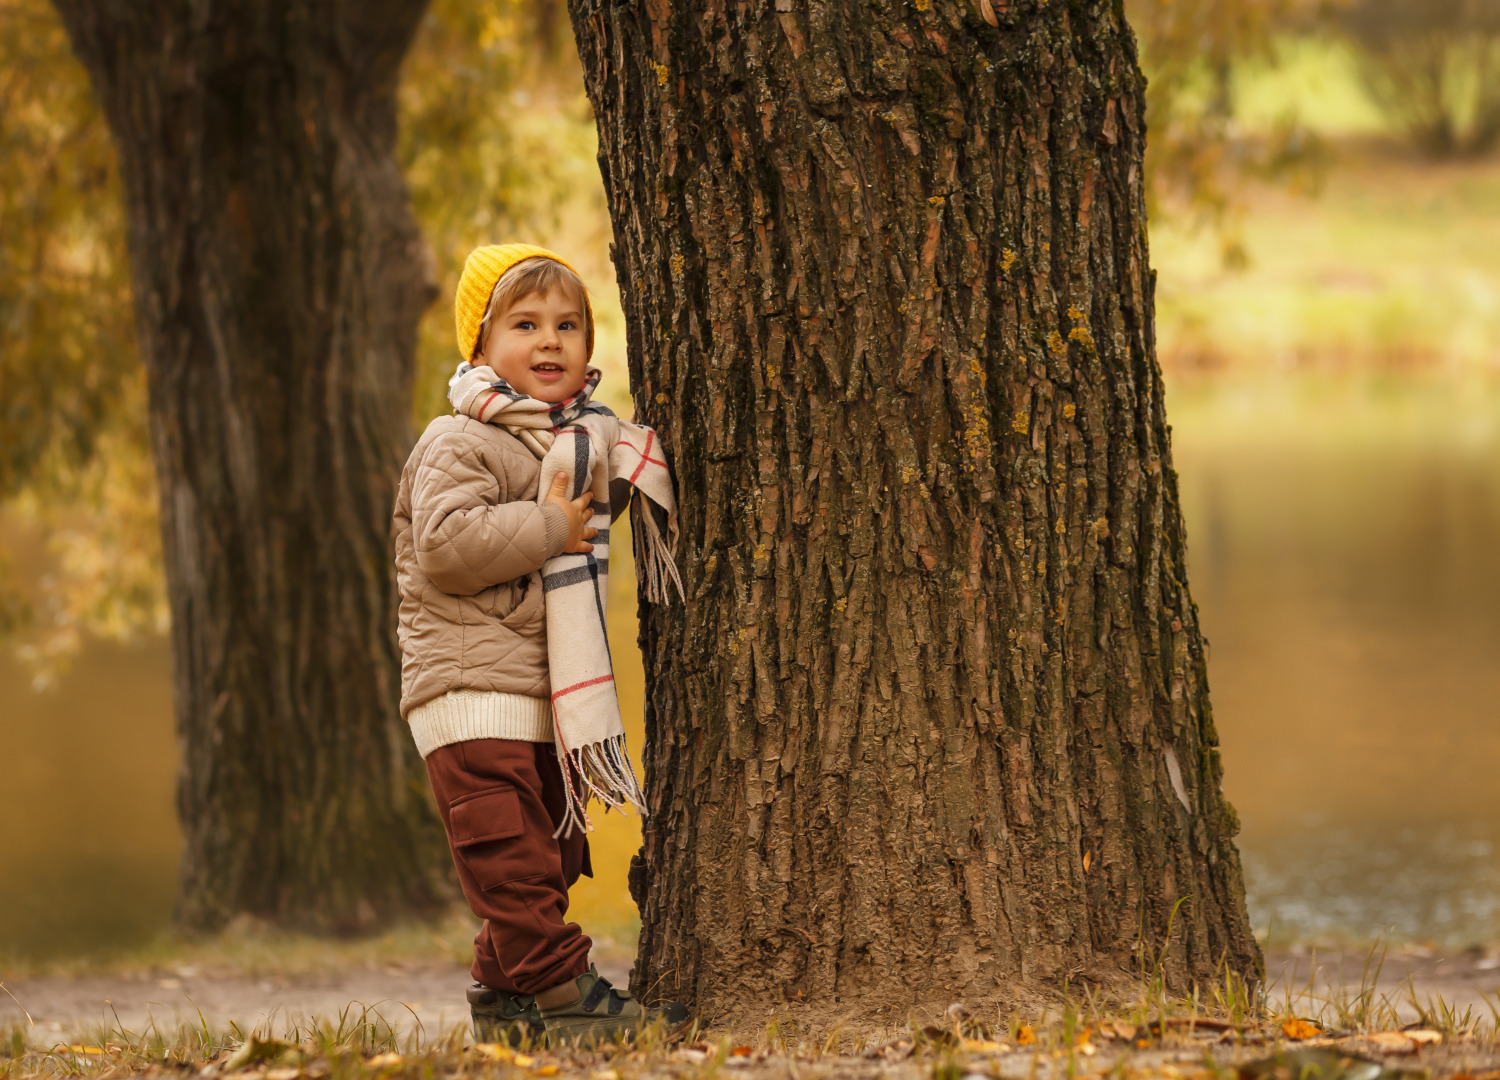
[(934, 723), (279, 276)]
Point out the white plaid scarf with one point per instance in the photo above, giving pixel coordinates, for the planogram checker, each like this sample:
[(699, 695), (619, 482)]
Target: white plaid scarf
[(590, 445)]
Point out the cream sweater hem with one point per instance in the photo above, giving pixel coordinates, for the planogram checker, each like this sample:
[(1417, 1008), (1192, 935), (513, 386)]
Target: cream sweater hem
[(460, 715)]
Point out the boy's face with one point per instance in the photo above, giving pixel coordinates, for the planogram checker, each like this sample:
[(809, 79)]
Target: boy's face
[(540, 345)]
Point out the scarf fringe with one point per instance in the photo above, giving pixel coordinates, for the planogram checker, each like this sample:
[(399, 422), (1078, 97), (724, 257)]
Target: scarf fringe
[(654, 565), (603, 770)]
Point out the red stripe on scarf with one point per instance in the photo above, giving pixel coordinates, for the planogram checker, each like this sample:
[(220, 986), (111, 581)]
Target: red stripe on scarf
[(645, 457), (649, 460), (580, 686), (486, 405)]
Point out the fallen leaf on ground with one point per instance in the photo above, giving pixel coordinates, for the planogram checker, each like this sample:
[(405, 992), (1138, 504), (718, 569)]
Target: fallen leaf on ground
[(741, 1051), (383, 1061), (985, 1046), (524, 1060), (1300, 1029), (1115, 1029), (253, 1050), (87, 1049), (1026, 1035), (493, 1051), (546, 1070), (1391, 1042), (1424, 1036)]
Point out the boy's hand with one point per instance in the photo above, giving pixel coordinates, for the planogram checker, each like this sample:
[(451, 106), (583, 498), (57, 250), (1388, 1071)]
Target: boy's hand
[(579, 511)]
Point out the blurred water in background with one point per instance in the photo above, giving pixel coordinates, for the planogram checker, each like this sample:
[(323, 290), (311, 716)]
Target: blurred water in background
[(1344, 547), (1344, 536)]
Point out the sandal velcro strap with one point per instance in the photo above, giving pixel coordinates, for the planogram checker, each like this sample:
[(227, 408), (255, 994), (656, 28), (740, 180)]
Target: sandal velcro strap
[(597, 993)]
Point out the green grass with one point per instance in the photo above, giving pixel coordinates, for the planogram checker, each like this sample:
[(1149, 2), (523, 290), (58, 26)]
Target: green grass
[(1393, 265)]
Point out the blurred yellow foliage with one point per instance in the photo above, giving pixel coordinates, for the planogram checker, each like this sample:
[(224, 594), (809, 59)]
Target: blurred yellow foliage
[(496, 141), (74, 444), (1196, 160)]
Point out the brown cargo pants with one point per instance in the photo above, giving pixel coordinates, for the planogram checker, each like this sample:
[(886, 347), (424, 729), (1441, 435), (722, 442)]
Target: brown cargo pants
[(501, 800)]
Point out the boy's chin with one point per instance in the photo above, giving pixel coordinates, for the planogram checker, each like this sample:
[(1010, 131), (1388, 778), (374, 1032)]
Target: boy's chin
[(554, 393)]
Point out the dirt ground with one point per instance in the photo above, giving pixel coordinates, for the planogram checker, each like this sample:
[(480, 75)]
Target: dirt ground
[(427, 998)]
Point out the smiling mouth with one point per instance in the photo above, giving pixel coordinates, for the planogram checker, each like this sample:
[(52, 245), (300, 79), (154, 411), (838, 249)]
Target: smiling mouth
[(547, 369)]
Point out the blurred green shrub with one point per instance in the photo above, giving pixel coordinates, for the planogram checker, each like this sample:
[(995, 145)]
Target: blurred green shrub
[(1434, 68)]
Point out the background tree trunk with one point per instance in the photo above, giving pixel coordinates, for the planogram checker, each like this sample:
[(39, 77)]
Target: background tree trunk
[(934, 724), (279, 276)]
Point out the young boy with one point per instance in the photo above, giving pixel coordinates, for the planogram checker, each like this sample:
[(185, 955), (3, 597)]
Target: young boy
[(501, 527)]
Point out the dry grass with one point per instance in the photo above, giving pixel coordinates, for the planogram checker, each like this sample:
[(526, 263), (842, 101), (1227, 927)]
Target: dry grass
[(1210, 1033)]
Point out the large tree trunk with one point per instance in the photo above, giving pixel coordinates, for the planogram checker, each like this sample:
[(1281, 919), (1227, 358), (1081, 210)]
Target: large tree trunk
[(934, 723), (279, 276)]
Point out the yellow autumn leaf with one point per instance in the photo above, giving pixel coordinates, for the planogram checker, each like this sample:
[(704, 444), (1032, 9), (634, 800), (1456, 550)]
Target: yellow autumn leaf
[(493, 1051), (1300, 1029), (525, 1060), (1026, 1035), (546, 1070)]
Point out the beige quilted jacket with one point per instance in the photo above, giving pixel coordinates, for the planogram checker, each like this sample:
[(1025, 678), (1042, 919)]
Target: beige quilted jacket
[(470, 542)]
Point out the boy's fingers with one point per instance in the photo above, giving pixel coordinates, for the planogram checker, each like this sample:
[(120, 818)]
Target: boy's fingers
[(560, 482)]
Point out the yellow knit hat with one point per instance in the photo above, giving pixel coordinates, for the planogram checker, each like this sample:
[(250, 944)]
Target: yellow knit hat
[(482, 269)]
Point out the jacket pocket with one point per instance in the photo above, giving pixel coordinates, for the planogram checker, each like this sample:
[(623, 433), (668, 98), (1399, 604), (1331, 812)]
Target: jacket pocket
[(489, 836), (528, 609), (502, 599)]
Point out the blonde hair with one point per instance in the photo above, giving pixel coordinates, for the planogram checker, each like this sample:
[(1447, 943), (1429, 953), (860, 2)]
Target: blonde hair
[(537, 274)]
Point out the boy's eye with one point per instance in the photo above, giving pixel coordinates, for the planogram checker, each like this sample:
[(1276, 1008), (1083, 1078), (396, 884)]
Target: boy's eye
[(566, 324), (525, 324)]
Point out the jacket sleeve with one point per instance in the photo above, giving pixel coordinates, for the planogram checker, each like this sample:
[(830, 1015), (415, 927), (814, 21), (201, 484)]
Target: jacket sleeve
[(467, 537)]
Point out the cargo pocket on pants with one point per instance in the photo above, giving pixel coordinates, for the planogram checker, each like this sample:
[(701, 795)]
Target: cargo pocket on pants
[(487, 830)]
